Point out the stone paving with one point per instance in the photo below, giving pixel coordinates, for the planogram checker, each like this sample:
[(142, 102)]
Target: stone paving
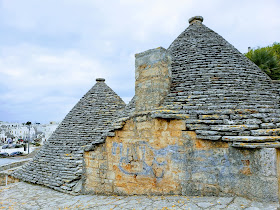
[(27, 196)]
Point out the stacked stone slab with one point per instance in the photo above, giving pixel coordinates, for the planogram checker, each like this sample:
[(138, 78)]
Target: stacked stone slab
[(221, 94), (59, 164)]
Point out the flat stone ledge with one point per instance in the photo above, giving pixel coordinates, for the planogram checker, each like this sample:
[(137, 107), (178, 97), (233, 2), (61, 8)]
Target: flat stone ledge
[(266, 132), (212, 138), (275, 81), (166, 115), (251, 138), (233, 127), (257, 145), (150, 51)]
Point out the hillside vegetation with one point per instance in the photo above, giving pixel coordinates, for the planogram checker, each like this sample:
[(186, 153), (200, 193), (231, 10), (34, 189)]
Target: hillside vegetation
[(267, 59)]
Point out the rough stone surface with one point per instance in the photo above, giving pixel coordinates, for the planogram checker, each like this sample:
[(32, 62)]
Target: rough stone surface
[(145, 157), (26, 196)]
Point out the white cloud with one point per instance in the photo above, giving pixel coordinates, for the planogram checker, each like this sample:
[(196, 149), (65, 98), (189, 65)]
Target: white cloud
[(38, 76), (31, 65)]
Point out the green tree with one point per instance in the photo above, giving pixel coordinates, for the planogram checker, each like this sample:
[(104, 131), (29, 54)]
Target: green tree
[(276, 50), (267, 59)]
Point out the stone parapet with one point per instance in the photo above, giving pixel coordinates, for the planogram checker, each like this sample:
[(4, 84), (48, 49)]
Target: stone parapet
[(14, 164)]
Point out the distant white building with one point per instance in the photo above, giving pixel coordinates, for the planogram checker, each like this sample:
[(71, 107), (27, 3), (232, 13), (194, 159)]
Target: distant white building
[(46, 130), (2, 135), (17, 131)]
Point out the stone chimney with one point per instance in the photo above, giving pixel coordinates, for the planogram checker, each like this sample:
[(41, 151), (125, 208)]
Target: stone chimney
[(153, 78)]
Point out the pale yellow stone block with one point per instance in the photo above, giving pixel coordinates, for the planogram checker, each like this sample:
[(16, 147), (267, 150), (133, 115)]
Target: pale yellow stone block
[(144, 125), (177, 125), (166, 134), (175, 133), (111, 175), (191, 134), (125, 134), (160, 124)]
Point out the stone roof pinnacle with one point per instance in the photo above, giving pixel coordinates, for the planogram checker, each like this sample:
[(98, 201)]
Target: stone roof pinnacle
[(100, 80), (196, 20)]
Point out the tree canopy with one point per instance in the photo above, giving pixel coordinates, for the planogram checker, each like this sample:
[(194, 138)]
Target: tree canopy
[(267, 59)]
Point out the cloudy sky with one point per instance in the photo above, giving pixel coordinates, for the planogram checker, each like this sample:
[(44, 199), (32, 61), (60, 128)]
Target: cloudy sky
[(52, 51)]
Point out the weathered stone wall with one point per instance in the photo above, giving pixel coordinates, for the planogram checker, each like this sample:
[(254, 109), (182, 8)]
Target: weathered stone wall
[(158, 156), (216, 168), (145, 157)]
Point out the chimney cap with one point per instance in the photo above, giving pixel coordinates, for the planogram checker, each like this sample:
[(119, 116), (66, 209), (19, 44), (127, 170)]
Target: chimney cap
[(100, 80), (195, 19)]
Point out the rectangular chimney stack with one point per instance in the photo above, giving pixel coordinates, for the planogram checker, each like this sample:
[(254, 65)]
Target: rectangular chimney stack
[(153, 78)]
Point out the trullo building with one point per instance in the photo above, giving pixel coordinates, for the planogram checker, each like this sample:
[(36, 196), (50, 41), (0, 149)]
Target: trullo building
[(204, 121)]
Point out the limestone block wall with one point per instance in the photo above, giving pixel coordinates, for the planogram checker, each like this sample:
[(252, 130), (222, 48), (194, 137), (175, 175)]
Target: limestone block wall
[(216, 168), (158, 156), (145, 157)]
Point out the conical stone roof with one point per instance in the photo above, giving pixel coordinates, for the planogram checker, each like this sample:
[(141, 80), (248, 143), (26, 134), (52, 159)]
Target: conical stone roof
[(59, 163), (202, 59), (218, 90)]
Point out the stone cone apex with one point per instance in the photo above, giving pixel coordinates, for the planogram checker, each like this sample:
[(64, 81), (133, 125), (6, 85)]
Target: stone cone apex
[(59, 164), (100, 80), (196, 20)]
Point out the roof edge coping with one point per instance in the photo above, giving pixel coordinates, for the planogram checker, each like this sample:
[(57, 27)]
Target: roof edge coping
[(147, 52)]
